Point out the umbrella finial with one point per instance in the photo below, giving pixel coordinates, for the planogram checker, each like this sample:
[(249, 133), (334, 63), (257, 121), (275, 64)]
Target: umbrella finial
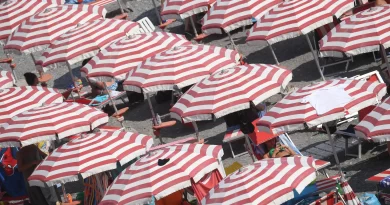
[(132, 36), (176, 48)]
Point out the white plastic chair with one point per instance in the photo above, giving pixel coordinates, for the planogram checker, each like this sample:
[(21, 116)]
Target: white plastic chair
[(146, 25)]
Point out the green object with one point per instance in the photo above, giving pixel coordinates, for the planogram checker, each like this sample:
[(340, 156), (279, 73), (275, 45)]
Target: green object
[(339, 189), (80, 197), (271, 152)]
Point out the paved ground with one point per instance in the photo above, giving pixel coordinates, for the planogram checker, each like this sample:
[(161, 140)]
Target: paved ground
[(293, 54)]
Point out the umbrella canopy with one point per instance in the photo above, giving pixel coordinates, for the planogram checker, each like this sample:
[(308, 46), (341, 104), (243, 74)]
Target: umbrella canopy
[(85, 41), (230, 90), (349, 195), (268, 181), (296, 17), (16, 100), (360, 33), (375, 125), (181, 66), (6, 79), (88, 155), (174, 9), (123, 55), (38, 31), (14, 12), (50, 122), (163, 172), (293, 112), (229, 15)]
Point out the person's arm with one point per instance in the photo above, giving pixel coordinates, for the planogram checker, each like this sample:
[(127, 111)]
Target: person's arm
[(289, 149), (266, 156)]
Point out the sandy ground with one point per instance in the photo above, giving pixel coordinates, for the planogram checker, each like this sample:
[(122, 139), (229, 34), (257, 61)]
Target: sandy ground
[(293, 54)]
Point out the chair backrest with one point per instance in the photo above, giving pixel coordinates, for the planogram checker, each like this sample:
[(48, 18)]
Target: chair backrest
[(146, 25)]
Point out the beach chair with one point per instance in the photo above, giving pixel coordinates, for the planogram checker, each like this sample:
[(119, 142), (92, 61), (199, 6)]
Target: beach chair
[(146, 26), (349, 133), (319, 34)]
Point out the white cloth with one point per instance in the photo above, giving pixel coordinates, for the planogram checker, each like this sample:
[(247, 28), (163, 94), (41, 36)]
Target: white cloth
[(326, 99)]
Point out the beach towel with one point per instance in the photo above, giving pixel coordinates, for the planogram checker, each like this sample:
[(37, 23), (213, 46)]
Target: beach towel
[(203, 186), (76, 1), (11, 180)]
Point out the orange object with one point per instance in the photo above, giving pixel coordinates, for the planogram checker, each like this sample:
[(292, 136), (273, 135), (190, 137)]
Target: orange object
[(44, 78), (167, 22), (6, 60), (69, 198), (258, 137), (200, 37), (121, 16), (175, 198), (120, 112), (164, 125)]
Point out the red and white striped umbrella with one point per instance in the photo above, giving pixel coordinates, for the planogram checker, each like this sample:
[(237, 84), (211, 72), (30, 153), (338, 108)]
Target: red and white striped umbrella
[(123, 55), (360, 33), (349, 195), (292, 114), (14, 12), (229, 15), (296, 17), (163, 172), (181, 66), (268, 181), (230, 90), (85, 41), (88, 155), (175, 9), (38, 31), (16, 100), (375, 125), (50, 122), (6, 79)]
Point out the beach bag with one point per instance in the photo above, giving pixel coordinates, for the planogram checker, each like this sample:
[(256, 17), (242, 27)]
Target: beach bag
[(369, 199)]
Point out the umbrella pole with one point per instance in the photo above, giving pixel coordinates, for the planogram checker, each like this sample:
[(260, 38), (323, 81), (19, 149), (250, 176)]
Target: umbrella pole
[(232, 42), (250, 150), (151, 109), (112, 101), (64, 192), (12, 69), (120, 6), (384, 55), (73, 80), (334, 152), (157, 13), (193, 26), (273, 53), (196, 130), (315, 57)]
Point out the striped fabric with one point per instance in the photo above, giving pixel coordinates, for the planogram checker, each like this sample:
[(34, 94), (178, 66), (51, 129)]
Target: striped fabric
[(268, 181), (296, 17), (50, 122), (14, 12), (88, 155), (16, 100), (349, 194), (329, 199), (123, 55), (324, 30), (375, 125), (146, 178), (38, 31), (229, 15), (85, 41), (180, 66), (378, 177), (175, 9), (291, 114), (348, 38), (102, 2), (233, 135), (327, 183), (229, 91), (6, 79)]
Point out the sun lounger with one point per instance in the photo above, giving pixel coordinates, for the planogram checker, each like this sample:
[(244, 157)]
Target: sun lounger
[(146, 26), (319, 34), (231, 136), (348, 133), (99, 101)]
